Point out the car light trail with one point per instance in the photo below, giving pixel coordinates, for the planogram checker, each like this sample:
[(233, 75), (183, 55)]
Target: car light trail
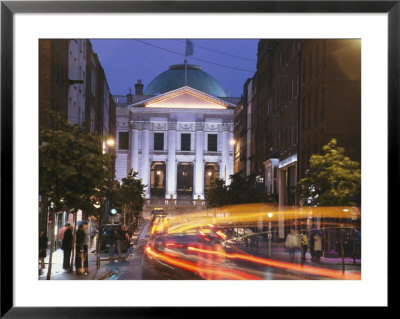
[(280, 264), (209, 271)]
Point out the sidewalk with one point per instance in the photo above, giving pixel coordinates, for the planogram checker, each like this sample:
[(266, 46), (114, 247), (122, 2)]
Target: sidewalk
[(106, 269), (279, 252)]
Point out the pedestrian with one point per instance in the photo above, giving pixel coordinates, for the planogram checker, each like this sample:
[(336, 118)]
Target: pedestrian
[(317, 246), (43, 242), (67, 246), (123, 241), (114, 242), (311, 242), (304, 245), (60, 235), (80, 247), (292, 242)]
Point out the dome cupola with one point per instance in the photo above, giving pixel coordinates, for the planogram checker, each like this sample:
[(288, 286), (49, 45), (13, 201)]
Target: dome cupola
[(174, 78)]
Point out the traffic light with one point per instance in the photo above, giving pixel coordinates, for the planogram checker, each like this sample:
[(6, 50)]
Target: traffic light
[(113, 211)]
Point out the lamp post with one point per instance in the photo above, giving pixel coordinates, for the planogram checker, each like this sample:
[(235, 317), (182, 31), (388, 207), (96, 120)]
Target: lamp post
[(341, 238), (97, 206), (269, 234)]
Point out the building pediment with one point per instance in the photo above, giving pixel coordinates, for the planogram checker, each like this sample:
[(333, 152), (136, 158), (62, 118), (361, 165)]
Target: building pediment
[(185, 98)]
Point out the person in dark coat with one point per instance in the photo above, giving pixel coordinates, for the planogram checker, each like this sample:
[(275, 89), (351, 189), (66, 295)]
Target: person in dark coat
[(43, 242), (80, 246), (67, 247), (80, 236), (114, 242), (312, 240)]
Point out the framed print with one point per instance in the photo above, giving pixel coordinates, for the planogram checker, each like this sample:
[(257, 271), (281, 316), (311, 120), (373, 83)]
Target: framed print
[(144, 136)]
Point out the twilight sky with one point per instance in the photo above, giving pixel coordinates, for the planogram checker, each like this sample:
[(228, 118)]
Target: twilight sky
[(230, 62)]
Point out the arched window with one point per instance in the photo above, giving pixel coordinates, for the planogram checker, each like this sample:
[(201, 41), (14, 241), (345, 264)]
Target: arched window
[(157, 179), (211, 171), (184, 179)]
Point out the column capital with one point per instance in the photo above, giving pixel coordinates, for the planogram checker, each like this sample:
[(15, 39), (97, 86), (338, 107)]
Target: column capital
[(199, 126), (172, 125), (135, 125), (226, 127), (146, 125)]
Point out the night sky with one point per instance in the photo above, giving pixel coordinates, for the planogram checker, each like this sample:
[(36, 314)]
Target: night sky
[(230, 62)]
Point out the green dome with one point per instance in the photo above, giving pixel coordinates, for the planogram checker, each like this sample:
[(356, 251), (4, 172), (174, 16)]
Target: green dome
[(174, 78)]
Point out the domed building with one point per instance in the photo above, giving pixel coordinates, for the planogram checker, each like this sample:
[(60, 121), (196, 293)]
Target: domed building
[(174, 78), (177, 133)]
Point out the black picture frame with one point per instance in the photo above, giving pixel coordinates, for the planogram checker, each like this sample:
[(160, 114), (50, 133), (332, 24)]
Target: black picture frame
[(9, 8)]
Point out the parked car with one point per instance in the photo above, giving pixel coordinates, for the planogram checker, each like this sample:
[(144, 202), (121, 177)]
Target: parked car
[(106, 237)]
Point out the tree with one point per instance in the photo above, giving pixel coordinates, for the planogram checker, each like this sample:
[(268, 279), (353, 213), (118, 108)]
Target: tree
[(217, 194), (241, 190), (131, 195), (333, 179), (73, 171)]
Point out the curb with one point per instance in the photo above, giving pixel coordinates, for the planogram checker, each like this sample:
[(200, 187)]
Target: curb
[(107, 274)]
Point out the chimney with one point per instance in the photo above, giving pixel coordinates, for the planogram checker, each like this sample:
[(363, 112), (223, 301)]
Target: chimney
[(139, 88), (129, 97)]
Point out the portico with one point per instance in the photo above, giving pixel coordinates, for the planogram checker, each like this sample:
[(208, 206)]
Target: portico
[(177, 142)]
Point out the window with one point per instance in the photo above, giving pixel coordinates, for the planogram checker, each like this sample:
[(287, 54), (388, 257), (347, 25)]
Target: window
[(212, 142), (158, 141), (123, 138), (185, 142)]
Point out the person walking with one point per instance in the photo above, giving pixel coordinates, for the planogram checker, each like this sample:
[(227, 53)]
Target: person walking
[(81, 250), (304, 245), (67, 246), (292, 242), (311, 242), (43, 243), (317, 246)]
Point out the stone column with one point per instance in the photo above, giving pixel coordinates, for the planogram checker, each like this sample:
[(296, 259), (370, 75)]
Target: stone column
[(135, 126), (281, 187), (171, 165), (231, 150), (224, 157), (145, 157), (199, 162)]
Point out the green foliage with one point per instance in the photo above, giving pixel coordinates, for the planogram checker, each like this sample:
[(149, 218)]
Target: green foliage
[(241, 190), (73, 171), (334, 179), (217, 194), (131, 194)]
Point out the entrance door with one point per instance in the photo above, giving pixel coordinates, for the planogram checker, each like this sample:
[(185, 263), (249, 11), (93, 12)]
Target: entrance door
[(157, 180), (211, 171), (184, 179)]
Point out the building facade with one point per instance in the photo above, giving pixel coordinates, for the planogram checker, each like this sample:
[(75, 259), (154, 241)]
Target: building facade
[(72, 83), (309, 91), (179, 139), (305, 92)]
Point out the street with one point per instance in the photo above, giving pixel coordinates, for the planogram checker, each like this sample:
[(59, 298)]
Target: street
[(190, 256)]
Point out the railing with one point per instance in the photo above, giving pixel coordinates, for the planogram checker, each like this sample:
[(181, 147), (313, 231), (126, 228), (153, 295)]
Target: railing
[(176, 203)]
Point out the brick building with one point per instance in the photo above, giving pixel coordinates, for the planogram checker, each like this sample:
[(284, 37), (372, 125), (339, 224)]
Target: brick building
[(72, 82), (305, 92)]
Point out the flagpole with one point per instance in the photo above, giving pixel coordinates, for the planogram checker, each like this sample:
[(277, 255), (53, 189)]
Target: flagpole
[(185, 72), (188, 51)]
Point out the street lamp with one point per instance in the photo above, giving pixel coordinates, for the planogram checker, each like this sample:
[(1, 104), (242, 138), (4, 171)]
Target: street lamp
[(269, 233), (110, 142)]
